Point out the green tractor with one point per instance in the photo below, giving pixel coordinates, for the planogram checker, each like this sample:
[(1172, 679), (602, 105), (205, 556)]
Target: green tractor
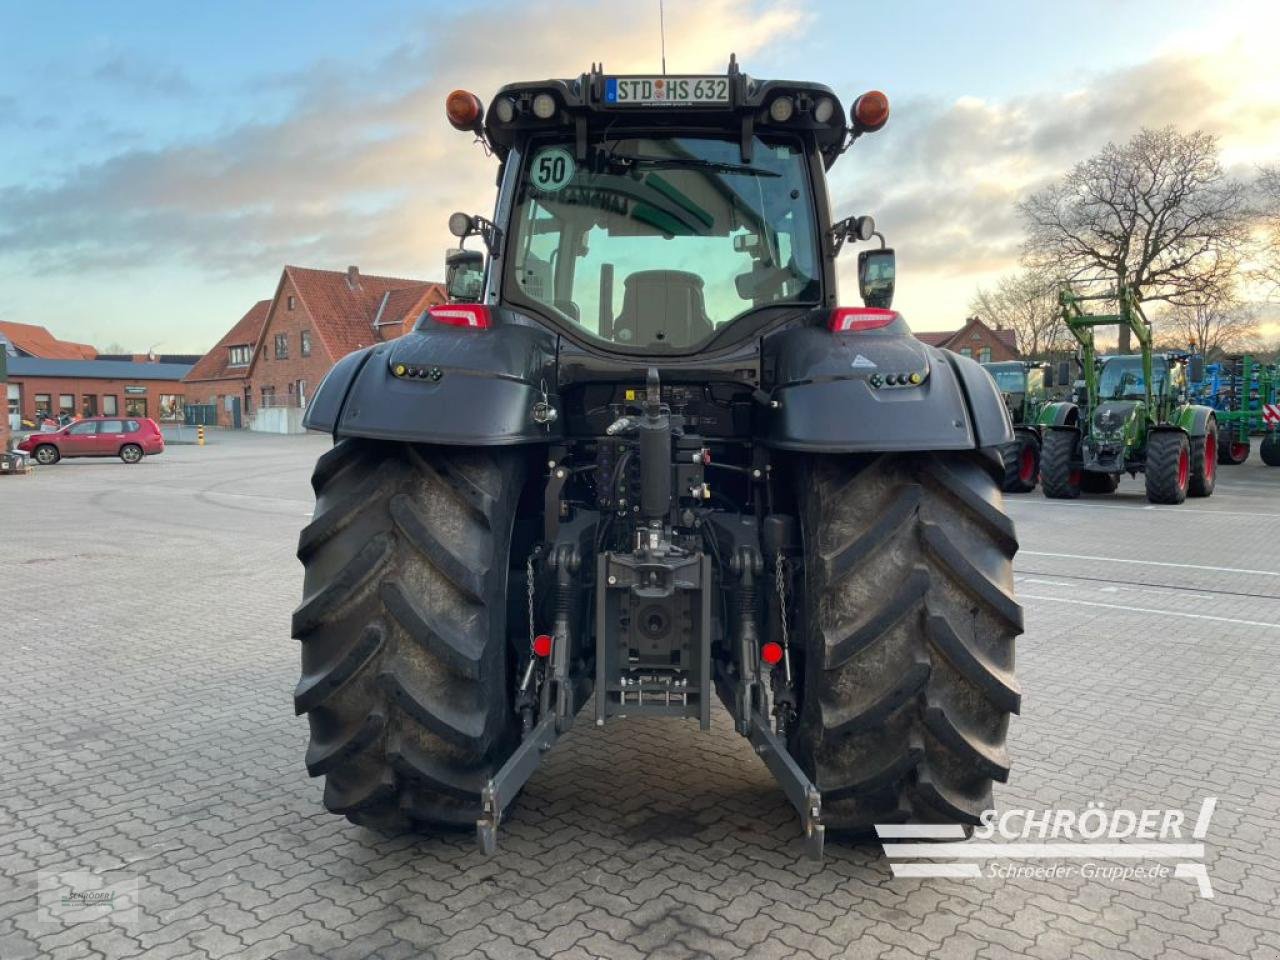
[(1131, 415), (1024, 385)]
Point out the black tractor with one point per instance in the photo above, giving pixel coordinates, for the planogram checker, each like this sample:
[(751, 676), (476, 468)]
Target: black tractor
[(645, 456)]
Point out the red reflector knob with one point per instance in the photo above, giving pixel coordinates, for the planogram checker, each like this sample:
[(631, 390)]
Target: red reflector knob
[(771, 653), (542, 645)]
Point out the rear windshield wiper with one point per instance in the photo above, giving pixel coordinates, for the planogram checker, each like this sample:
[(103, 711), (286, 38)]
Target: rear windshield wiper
[(678, 163)]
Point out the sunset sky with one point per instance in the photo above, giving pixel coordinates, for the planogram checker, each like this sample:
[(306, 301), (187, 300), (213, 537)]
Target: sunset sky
[(162, 161)]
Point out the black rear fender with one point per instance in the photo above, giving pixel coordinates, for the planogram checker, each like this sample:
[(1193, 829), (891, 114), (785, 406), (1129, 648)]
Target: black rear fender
[(460, 386), (833, 394)]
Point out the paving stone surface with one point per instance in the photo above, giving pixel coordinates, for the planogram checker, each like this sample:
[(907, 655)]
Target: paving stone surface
[(147, 734)]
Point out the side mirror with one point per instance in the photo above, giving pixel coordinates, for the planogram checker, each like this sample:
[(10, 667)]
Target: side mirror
[(464, 275), (877, 270), (1195, 368)]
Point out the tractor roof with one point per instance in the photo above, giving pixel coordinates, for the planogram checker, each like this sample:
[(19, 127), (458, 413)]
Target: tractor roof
[(737, 104)]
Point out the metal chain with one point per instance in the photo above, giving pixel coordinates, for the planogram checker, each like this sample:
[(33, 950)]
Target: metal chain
[(780, 582), (528, 575)]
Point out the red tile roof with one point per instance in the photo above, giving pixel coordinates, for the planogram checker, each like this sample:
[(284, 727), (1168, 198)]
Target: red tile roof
[(941, 338), (39, 342), (401, 309), (343, 312), (214, 364), (936, 339)]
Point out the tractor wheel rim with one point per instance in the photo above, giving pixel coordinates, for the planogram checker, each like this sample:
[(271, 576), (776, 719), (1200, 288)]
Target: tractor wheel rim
[(1239, 451), (1027, 465), (1210, 456), (1074, 478), (1184, 468)]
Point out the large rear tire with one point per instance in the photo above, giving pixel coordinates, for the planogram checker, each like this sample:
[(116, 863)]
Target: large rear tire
[(1204, 462), (1168, 466), (1021, 460), (908, 640), (1232, 451), (403, 628), (1058, 478), (1269, 449)]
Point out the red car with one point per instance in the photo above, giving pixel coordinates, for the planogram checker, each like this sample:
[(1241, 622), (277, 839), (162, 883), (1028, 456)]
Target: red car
[(129, 438)]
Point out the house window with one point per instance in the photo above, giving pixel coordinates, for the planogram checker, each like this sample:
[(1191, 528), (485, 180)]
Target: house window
[(966, 351), (240, 356), (304, 343), (268, 396), (66, 404), (984, 355), (171, 406), (110, 405), (289, 303), (282, 346), (44, 405), (89, 405), (135, 406)]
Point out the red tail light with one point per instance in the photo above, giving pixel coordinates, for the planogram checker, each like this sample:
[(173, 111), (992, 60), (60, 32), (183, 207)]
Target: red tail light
[(542, 645), (858, 319), (474, 315), (771, 653)]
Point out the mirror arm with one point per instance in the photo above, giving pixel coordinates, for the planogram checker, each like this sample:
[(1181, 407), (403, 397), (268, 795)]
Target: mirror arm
[(489, 232)]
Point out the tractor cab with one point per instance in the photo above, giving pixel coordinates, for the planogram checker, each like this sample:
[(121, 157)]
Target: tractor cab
[(667, 215), (1023, 385), (1122, 378)]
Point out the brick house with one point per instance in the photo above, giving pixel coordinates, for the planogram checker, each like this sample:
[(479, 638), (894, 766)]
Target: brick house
[(317, 317), (221, 376), (977, 340)]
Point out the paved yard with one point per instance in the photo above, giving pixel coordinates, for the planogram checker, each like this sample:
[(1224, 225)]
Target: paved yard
[(147, 735)]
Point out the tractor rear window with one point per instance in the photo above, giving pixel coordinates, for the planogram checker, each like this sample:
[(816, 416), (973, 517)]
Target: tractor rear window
[(656, 243)]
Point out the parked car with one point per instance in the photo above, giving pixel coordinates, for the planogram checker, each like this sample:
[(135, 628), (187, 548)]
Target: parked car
[(129, 438)]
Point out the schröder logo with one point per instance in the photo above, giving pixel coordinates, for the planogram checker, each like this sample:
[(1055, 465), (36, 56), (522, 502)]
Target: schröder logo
[(1096, 844)]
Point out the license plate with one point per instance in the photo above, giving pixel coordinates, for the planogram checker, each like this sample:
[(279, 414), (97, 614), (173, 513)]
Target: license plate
[(665, 91)]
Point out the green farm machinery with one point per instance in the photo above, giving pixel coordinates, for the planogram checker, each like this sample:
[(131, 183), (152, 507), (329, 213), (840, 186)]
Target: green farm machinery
[(1245, 395), (1132, 415), (1023, 384)]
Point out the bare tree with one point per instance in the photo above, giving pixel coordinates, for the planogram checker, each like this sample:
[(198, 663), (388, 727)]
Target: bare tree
[(1217, 325), (1157, 213), (1269, 212), (1025, 302)]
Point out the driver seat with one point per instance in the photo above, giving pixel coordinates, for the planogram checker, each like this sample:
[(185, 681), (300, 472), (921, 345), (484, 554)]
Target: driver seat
[(662, 306)]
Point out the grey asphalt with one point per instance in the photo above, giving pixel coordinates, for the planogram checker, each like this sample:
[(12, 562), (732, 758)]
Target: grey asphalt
[(147, 737)]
